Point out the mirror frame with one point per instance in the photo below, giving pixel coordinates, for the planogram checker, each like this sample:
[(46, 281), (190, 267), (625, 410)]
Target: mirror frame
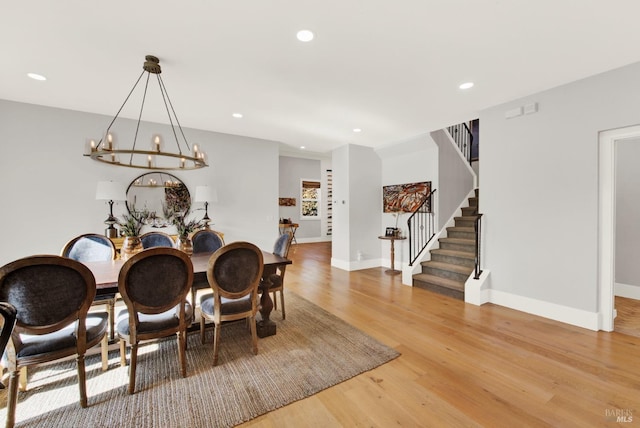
[(181, 192)]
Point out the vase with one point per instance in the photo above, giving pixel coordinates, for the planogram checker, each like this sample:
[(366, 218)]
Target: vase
[(130, 246), (184, 244)]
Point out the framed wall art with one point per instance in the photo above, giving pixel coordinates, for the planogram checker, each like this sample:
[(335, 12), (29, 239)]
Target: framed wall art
[(404, 198)]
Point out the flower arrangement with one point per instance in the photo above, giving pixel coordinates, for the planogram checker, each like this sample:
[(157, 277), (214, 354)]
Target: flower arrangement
[(130, 225), (184, 226)]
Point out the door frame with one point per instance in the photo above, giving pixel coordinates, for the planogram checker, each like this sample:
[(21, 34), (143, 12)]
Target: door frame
[(607, 220)]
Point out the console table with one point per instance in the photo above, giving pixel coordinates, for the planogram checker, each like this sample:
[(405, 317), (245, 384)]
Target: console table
[(393, 239)]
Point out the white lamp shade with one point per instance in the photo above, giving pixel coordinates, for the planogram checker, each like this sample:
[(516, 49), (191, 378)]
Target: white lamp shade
[(206, 194), (111, 191)]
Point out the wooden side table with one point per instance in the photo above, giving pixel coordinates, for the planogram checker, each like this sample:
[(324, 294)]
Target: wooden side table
[(393, 239), (291, 227)]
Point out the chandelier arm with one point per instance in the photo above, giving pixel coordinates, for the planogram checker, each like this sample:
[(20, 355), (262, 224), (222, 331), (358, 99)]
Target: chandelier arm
[(120, 109), (165, 96), (135, 137), (164, 90)]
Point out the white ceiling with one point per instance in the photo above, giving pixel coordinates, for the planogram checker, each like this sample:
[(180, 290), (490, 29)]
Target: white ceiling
[(391, 68)]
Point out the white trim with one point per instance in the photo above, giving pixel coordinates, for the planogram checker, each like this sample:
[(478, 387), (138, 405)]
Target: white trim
[(358, 265), (628, 291), (565, 314), (606, 221)]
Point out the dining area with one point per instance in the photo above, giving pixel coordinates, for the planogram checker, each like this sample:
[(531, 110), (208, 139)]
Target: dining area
[(100, 292)]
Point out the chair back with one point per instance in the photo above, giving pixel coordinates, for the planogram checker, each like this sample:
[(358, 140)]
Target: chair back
[(8, 313), (155, 280), (282, 245), (48, 292), (89, 247), (235, 270), (156, 239), (206, 241)]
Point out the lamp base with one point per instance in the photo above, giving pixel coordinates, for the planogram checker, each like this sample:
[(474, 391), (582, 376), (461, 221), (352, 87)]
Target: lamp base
[(111, 232)]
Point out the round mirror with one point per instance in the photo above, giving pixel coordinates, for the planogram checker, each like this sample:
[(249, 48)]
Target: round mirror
[(154, 197)]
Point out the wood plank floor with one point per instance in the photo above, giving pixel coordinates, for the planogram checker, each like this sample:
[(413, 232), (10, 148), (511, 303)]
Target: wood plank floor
[(461, 365)]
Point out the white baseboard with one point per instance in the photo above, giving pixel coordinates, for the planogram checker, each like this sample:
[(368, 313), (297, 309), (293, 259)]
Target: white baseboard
[(626, 290), (565, 314), (357, 265), (313, 239)]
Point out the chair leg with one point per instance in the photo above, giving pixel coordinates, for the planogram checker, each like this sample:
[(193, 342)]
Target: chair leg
[(182, 355), (216, 340), (123, 352), (12, 397), (282, 303), (105, 353), (111, 305), (23, 379), (254, 335), (132, 368), (82, 380), (202, 325), (275, 302), (193, 298)]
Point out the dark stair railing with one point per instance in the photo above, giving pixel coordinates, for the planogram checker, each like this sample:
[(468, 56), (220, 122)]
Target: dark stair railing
[(463, 137), (421, 227), (477, 226)]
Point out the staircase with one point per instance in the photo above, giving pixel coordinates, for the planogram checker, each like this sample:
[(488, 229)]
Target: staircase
[(453, 262)]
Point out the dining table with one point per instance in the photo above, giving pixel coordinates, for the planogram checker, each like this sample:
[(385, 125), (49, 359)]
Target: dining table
[(106, 275)]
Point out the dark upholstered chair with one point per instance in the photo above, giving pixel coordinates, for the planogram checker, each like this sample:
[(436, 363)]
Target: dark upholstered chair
[(52, 296), (154, 285), (92, 247), (156, 239), (234, 273), (204, 241), (275, 276)]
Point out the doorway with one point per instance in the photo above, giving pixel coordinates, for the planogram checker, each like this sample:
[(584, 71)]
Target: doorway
[(608, 142)]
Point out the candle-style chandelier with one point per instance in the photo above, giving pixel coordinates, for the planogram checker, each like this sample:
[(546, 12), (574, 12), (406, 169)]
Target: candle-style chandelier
[(156, 155)]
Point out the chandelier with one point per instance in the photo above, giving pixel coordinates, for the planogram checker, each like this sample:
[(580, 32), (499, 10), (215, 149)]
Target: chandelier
[(156, 155)]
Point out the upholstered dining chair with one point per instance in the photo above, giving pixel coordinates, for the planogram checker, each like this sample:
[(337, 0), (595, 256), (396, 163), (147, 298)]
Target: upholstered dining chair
[(275, 277), (154, 285), (204, 241), (52, 296), (91, 247), (156, 239), (234, 273)]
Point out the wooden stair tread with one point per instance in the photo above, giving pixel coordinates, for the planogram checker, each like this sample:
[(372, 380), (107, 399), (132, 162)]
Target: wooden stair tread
[(448, 266), (442, 282), (454, 253), (459, 241)]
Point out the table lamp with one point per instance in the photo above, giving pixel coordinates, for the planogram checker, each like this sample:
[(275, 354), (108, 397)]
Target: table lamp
[(206, 194), (110, 191)]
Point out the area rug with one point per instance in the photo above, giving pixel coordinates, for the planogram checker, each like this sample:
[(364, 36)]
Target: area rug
[(311, 351)]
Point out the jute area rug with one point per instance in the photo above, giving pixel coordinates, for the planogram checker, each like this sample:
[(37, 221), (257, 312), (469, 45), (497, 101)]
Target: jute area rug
[(311, 351)]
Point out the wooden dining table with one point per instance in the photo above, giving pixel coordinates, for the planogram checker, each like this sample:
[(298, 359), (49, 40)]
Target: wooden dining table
[(106, 275)]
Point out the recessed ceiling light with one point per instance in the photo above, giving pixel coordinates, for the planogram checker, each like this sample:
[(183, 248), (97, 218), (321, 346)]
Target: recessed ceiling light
[(466, 85), (357, 130), (302, 147), (36, 76), (304, 35), (237, 115)]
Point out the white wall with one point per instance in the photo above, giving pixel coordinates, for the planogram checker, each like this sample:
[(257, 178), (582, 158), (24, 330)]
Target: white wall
[(411, 161), (357, 207), (49, 188), (455, 176), (292, 171), (539, 194), (627, 269)]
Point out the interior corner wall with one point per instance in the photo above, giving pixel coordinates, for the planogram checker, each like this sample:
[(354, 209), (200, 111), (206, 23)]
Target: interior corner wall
[(413, 161), (49, 187), (292, 171), (455, 177), (357, 207), (539, 192)]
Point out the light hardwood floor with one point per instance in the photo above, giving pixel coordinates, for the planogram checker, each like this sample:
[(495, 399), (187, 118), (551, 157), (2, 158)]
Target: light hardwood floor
[(461, 365)]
